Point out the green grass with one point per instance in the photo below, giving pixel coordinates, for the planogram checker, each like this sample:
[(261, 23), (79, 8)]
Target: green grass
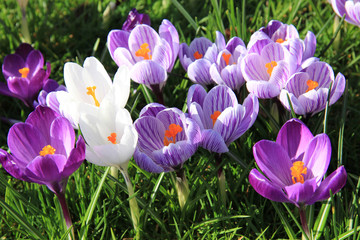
[(73, 30)]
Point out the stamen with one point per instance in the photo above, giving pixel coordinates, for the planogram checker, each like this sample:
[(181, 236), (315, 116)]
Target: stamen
[(280, 40), (112, 138), (270, 66), (214, 116), (197, 55), (24, 72), (48, 149), (311, 85), (174, 129), (144, 52), (296, 172), (91, 92), (226, 58)]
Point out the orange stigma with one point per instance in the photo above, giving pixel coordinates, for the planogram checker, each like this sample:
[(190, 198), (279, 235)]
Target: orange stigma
[(197, 55), (174, 129), (214, 116), (48, 149), (91, 92), (24, 72), (112, 138), (226, 58), (144, 52), (296, 172), (311, 85), (280, 40), (270, 66)]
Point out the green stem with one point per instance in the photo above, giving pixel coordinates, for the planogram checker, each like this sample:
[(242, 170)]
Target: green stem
[(221, 177), (303, 220), (66, 213), (134, 208), (114, 171), (182, 187)]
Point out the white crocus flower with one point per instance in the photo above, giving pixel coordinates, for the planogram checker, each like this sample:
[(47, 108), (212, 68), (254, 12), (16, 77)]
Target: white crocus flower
[(88, 86)]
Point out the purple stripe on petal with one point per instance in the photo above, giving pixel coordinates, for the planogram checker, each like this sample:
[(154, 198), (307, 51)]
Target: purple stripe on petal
[(338, 88), (152, 109), (212, 141), (146, 163), (151, 133), (197, 94), (148, 73), (116, 39), (198, 72)]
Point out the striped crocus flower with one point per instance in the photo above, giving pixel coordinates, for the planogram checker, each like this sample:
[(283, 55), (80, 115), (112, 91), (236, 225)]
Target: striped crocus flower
[(351, 9)]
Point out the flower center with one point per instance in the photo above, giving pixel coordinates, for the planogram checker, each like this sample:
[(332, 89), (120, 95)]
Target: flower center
[(270, 66), (280, 40), (48, 149), (24, 72), (144, 52), (91, 92), (112, 138), (296, 172), (311, 85), (214, 116), (170, 135), (226, 58), (197, 55)]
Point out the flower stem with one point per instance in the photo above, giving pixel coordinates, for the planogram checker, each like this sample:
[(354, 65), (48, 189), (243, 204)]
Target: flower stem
[(134, 208), (303, 220), (221, 177), (158, 93), (182, 187), (114, 171), (66, 213)]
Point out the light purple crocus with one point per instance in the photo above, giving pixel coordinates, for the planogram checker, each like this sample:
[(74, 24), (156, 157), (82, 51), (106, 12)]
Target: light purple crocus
[(24, 73), (308, 90), (167, 138), (350, 8), (43, 150), (221, 118), (287, 36), (266, 72), (49, 86), (148, 55), (294, 167), (134, 18), (227, 68)]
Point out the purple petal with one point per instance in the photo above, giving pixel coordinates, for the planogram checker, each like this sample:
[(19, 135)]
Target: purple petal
[(263, 89), (35, 62), (294, 137), (212, 141), (42, 119), (168, 32), (253, 68), (198, 72), (12, 64), (220, 40), (116, 39), (152, 109), (274, 162), (322, 73), (24, 49), (148, 73), (196, 113), (301, 192), (19, 86), (232, 77), (62, 136), (285, 32), (151, 134), (122, 56), (272, 27), (298, 108), (173, 116), (13, 166), (185, 56), (197, 94), (163, 55), (297, 83), (4, 90), (296, 48), (193, 131), (76, 157), (266, 188), (257, 42), (146, 163), (339, 8), (314, 101), (337, 88), (310, 45), (142, 34), (334, 182), (233, 43)]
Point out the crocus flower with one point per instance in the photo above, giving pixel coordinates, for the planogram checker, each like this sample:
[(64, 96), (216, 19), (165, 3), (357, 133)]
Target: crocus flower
[(221, 118), (87, 87), (134, 18), (350, 8), (308, 90), (197, 58), (287, 36), (227, 68), (294, 167), (167, 138), (24, 73), (43, 150), (49, 86), (266, 72), (148, 55)]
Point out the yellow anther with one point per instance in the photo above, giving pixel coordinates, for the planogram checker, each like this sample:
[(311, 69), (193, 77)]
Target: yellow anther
[(112, 138), (144, 52), (296, 172), (311, 85), (214, 116), (91, 92), (24, 72), (197, 55), (226, 58), (174, 129), (48, 149), (270, 67)]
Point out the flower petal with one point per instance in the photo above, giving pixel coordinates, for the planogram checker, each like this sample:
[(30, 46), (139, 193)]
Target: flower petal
[(212, 141), (146, 163), (148, 73), (301, 192), (198, 72), (152, 109), (116, 39)]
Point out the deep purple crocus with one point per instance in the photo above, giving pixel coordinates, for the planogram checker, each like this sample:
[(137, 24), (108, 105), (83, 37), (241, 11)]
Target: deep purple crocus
[(308, 90), (351, 9), (43, 150), (227, 68), (24, 73), (221, 118), (148, 54), (167, 138), (134, 18), (294, 167)]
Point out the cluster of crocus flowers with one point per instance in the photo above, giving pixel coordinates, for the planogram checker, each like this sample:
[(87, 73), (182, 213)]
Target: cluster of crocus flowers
[(351, 9), (43, 151), (25, 74)]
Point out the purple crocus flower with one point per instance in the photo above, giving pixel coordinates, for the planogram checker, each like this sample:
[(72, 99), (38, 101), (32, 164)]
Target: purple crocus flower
[(24, 73), (294, 167), (43, 150), (287, 36), (221, 118), (49, 86), (350, 8), (134, 18), (148, 55), (266, 72), (167, 138), (227, 68), (308, 90)]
